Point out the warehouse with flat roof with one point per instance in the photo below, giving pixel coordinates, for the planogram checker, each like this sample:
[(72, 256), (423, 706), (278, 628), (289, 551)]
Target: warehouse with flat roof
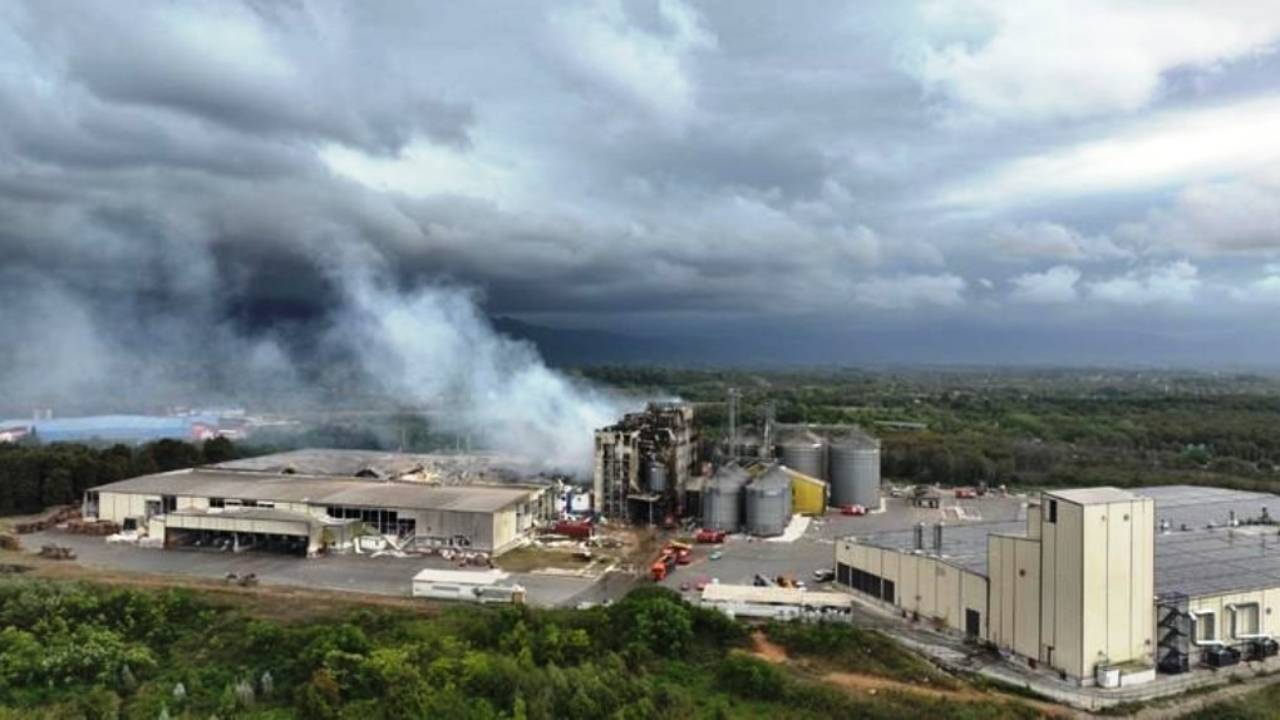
[(1098, 584), (269, 502)]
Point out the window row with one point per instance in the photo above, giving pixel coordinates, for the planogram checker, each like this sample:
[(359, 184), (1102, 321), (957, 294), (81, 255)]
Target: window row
[(865, 582)]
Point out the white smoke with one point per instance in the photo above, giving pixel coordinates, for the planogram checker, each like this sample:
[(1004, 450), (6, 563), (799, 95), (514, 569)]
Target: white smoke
[(433, 348)]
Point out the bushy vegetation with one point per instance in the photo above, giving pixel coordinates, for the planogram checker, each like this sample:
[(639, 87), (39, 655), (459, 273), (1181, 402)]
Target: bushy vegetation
[(77, 651), (34, 476)]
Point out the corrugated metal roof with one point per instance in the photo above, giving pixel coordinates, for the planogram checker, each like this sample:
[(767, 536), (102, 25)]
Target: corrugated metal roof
[(1094, 495), (323, 461), (318, 490), (1198, 561)]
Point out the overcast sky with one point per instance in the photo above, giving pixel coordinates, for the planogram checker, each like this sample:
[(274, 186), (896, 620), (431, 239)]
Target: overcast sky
[(985, 176)]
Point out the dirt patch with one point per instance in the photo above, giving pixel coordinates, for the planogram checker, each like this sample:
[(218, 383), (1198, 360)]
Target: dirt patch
[(528, 559), (765, 649), (872, 685), (859, 683)]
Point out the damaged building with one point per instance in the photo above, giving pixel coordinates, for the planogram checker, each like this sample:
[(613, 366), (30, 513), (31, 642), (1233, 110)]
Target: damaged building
[(644, 463), (307, 501)]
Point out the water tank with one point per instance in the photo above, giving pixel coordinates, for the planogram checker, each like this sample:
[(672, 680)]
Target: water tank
[(769, 503), (805, 453), (855, 472), (656, 477), (722, 500)]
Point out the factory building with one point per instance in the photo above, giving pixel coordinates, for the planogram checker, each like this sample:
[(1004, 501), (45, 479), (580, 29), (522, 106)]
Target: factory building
[(644, 463), (1086, 585), (315, 500)]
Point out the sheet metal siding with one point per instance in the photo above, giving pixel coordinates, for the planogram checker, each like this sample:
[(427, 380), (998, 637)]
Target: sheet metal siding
[(855, 475), (806, 456), (444, 524), (808, 495), (722, 504), (768, 504)]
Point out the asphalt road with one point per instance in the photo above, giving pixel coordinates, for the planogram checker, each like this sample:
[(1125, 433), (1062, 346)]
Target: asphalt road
[(743, 557), (381, 576)]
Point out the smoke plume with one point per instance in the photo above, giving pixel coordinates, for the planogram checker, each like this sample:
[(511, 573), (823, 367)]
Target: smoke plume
[(433, 348)]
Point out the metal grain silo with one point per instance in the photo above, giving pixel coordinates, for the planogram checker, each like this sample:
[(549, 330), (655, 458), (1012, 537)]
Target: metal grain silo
[(656, 477), (855, 471), (722, 499), (805, 453), (769, 503)]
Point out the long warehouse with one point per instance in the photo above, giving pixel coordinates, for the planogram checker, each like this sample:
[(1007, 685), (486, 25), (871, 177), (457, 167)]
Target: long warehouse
[(308, 513), (1098, 584)]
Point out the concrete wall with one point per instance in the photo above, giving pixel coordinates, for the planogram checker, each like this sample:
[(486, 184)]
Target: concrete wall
[(1119, 583), (445, 525), (485, 531), (1013, 564), (119, 506), (1098, 591), (1062, 588), (923, 584), (1267, 600)]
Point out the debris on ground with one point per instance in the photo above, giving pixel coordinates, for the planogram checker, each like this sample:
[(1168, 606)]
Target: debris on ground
[(53, 517), (90, 527), (57, 552)]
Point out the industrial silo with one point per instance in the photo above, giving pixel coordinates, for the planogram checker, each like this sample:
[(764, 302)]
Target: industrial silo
[(656, 477), (805, 453), (768, 506), (855, 471), (722, 499)]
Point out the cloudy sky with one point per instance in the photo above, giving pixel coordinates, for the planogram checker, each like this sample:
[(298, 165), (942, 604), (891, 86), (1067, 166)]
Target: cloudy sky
[(1090, 181)]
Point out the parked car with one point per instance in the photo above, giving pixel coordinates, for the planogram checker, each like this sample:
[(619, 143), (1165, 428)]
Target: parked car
[(716, 555), (966, 493), (853, 510), (824, 575), (707, 535)]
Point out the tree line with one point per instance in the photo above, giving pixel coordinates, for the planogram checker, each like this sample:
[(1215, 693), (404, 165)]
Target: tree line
[(34, 476)]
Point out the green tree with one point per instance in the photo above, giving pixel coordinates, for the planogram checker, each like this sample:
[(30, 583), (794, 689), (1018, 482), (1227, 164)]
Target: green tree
[(217, 450)]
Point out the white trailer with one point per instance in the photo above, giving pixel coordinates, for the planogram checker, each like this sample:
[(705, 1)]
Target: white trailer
[(483, 586)]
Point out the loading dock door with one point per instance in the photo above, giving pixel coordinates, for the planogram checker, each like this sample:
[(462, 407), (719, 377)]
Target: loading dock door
[(888, 589), (972, 623)]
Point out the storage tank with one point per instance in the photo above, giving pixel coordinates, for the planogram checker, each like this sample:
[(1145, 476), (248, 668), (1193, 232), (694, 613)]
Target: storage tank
[(855, 471), (722, 499), (805, 453), (769, 503), (656, 477)]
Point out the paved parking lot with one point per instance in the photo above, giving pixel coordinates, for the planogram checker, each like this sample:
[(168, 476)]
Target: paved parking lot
[(381, 576), (743, 556)]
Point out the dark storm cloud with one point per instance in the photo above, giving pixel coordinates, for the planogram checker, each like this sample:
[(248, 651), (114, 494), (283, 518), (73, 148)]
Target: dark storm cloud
[(200, 177)]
